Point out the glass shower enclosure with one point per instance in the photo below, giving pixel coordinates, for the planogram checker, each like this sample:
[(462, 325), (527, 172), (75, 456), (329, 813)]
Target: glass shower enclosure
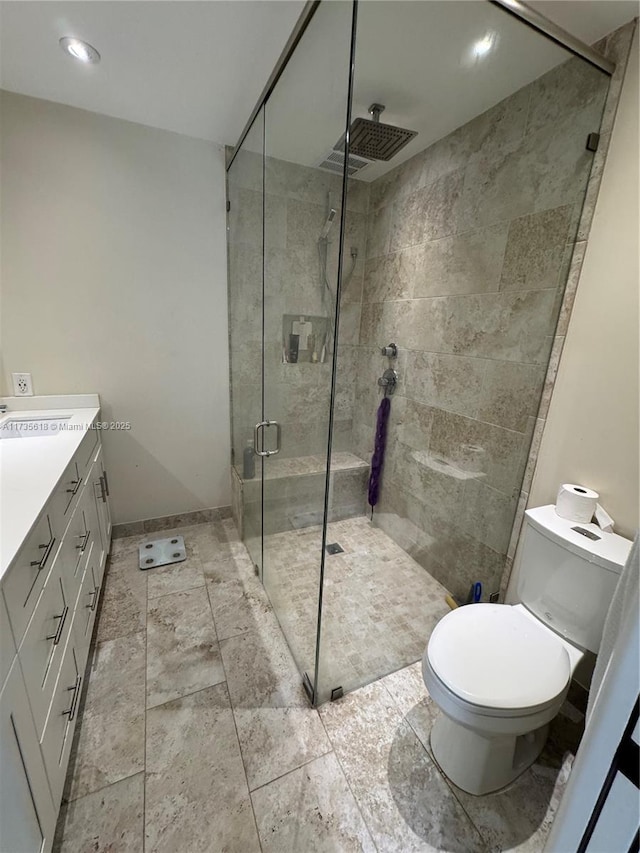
[(412, 176)]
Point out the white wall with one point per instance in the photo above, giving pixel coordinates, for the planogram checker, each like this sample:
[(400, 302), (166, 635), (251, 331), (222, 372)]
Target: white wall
[(113, 272), (592, 435)]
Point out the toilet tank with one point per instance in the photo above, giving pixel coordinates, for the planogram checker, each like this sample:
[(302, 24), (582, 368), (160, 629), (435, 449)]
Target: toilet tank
[(567, 574)]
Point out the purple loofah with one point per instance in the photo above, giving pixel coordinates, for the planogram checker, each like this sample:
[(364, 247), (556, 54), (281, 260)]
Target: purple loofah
[(377, 460)]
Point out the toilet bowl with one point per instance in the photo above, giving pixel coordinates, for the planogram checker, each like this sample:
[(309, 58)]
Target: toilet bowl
[(499, 677), (499, 672)]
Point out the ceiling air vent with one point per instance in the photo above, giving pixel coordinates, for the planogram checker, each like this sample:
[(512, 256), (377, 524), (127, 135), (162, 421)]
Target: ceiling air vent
[(334, 162)]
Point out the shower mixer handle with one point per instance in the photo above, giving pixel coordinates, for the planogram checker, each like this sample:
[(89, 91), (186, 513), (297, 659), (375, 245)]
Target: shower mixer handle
[(256, 438), (391, 351), (388, 381)]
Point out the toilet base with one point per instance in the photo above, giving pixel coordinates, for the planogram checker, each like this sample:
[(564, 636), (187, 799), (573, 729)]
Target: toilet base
[(480, 763)]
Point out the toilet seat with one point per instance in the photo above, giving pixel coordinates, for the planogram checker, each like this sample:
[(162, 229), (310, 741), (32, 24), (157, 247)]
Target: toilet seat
[(498, 660)]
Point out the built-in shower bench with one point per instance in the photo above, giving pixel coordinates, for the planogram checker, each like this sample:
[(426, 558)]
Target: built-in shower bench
[(278, 467), (294, 492)]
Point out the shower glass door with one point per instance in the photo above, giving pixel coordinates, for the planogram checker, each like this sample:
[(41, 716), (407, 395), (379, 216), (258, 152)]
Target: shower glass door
[(304, 118)]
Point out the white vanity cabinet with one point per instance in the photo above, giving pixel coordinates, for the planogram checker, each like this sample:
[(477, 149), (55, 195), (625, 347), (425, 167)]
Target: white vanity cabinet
[(48, 602), (88, 598), (100, 481), (44, 642), (25, 579), (27, 813)]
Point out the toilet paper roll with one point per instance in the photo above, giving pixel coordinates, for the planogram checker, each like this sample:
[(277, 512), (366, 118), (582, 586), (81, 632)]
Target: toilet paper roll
[(576, 503)]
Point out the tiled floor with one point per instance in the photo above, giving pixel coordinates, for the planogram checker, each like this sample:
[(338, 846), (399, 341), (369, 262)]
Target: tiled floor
[(379, 605), (196, 736)]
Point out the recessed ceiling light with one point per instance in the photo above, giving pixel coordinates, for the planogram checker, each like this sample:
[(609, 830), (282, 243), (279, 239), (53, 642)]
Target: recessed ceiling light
[(80, 50), (483, 45)]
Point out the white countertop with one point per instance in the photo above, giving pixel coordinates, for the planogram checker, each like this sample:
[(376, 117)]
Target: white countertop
[(30, 468)]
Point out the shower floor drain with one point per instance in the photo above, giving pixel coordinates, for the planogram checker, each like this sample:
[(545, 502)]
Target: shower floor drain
[(162, 552), (334, 548)]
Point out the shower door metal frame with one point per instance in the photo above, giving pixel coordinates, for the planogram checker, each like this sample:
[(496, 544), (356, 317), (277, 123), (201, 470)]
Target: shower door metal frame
[(298, 31), (544, 25), (520, 10)]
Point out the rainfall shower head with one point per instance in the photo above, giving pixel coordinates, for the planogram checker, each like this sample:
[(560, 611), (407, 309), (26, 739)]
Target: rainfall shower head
[(374, 140), (328, 223)]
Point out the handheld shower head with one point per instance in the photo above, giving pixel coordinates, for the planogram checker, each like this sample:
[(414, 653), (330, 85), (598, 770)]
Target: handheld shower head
[(324, 234)]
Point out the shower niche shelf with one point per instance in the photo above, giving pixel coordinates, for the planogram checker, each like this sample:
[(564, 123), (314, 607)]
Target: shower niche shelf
[(304, 338)]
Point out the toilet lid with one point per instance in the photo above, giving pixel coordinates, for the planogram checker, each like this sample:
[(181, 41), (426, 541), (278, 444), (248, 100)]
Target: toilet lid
[(493, 656)]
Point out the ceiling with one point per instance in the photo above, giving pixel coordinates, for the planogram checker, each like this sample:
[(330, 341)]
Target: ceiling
[(193, 67), (198, 67)]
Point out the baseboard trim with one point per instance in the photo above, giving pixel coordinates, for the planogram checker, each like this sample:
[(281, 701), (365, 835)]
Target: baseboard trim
[(167, 522)]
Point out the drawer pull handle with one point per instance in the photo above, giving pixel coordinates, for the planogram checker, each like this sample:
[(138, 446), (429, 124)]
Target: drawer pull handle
[(85, 539), (42, 563), (71, 711), (103, 490), (106, 482), (94, 599), (76, 486), (58, 634)]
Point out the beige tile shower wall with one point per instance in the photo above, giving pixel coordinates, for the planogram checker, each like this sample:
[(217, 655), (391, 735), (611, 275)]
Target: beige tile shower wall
[(468, 247), (296, 203)]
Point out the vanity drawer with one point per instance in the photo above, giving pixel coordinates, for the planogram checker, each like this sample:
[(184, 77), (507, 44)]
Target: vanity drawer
[(66, 494), (86, 452), (27, 575), (58, 731), (7, 646), (41, 650), (27, 815), (85, 615), (76, 544)]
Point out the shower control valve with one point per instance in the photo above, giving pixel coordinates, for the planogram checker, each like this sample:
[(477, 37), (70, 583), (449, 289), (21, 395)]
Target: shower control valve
[(388, 381), (391, 351)]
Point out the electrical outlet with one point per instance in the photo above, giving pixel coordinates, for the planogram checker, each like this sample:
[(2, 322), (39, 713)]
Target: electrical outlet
[(22, 386)]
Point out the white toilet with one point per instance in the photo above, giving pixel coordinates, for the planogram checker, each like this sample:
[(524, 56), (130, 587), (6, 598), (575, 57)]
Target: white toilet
[(500, 673)]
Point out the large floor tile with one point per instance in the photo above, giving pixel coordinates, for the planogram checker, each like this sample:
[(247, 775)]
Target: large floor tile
[(110, 743), (276, 740), (124, 546), (177, 577), (261, 672), (310, 809), (108, 821), (237, 605), (124, 599), (182, 650), (198, 539), (404, 800), (196, 792), (408, 691), (519, 817), (227, 561)]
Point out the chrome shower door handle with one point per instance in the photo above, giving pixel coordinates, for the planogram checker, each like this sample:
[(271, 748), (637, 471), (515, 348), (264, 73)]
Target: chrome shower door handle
[(278, 436), (256, 438)]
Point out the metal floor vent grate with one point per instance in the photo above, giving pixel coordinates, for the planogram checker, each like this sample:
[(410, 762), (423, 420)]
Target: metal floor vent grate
[(162, 552)]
